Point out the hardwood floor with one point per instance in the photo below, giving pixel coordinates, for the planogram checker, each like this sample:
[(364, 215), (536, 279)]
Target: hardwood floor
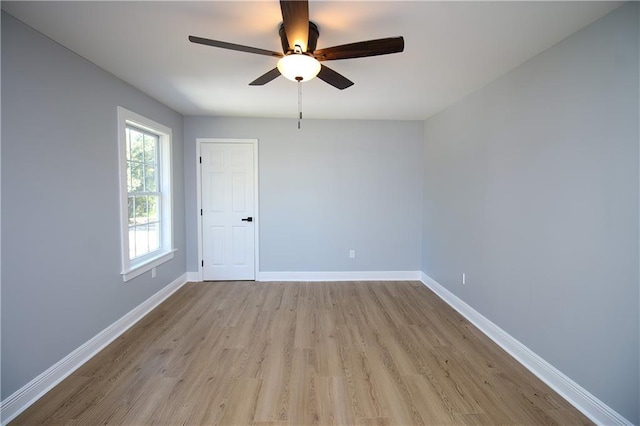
[(356, 353)]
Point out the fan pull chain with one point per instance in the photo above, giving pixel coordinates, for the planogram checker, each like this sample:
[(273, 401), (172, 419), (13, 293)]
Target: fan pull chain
[(299, 100)]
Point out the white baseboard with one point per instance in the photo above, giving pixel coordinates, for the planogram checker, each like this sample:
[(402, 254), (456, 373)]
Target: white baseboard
[(36, 388), (583, 400), (341, 276), (194, 277)]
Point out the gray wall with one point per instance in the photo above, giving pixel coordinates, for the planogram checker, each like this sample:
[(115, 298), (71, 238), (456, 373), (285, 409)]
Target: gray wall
[(531, 189), (61, 282), (332, 186)]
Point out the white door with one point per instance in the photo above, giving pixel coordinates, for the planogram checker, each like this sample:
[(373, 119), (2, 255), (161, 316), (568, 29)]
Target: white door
[(227, 182)]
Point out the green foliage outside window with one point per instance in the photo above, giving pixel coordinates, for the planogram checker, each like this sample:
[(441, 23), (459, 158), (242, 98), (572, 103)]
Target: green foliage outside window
[(143, 190)]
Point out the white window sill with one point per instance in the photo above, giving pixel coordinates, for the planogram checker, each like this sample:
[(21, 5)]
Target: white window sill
[(148, 265)]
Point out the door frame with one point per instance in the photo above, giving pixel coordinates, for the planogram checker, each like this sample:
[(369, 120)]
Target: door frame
[(256, 198)]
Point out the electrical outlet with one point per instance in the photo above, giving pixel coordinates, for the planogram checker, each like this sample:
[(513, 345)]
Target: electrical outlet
[(352, 254), (464, 278), (153, 272)]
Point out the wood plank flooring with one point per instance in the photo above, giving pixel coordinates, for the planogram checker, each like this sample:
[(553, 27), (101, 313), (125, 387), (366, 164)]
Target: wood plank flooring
[(267, 354)]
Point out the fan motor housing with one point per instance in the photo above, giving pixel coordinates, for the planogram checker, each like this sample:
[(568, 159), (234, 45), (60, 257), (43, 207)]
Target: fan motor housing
[(311, 44)]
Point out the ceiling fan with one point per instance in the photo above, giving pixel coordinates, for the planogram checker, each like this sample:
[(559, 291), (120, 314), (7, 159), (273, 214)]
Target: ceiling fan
[(301, 60)]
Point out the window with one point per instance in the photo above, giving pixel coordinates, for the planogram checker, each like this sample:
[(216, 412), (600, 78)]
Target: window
[(145, 193)]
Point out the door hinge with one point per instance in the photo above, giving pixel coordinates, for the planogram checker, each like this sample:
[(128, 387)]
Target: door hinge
[(200, 212), (200, 160), (202, 263)]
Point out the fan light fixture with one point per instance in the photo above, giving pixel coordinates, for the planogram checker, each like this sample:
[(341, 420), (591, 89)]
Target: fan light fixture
[(297, 66)]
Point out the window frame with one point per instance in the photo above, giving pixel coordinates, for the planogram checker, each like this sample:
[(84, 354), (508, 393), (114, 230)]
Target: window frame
[(132, 268)]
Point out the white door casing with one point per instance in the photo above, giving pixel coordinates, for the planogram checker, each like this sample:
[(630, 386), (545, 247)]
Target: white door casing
[(228, 202)]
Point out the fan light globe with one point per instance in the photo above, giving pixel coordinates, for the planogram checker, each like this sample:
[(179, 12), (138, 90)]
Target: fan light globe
[(298, 65)]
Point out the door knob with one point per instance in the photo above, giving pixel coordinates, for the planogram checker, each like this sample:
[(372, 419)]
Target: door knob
[(248, 219)]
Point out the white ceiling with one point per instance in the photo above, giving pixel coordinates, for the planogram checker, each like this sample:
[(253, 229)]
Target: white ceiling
[(451, 49)]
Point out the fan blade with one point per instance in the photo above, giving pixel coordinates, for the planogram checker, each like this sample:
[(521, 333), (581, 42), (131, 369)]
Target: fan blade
[(335, 79), (382, 46), (233, 46), (265, 78), (295, 16)]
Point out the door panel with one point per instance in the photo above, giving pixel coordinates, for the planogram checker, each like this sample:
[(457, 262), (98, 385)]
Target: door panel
[(227, 178)]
